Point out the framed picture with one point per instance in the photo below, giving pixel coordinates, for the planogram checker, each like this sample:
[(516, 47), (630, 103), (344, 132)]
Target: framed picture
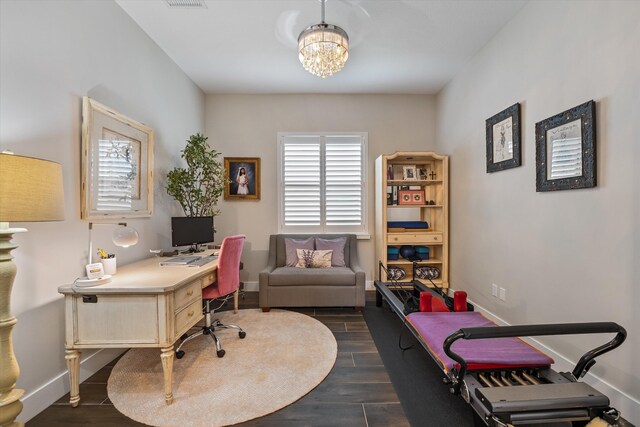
[(411, 197), (244, 178), (409, 173), (503, 139), (566, 149), (117, 164)]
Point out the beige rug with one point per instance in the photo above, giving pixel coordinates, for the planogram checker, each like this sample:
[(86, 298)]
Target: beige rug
[(284, 356)]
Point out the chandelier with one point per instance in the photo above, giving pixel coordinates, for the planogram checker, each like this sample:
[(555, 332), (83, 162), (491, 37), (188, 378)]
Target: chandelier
[(323, 48)]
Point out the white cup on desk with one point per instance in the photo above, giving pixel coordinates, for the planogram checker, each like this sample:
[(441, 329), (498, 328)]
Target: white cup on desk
[(109, 265)]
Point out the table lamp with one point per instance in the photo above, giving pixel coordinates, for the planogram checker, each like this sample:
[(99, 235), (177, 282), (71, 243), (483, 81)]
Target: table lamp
[(30, 190), (123, 236)]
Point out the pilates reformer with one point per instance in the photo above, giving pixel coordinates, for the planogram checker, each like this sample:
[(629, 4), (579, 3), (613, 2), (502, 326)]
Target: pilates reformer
[(505, 380)]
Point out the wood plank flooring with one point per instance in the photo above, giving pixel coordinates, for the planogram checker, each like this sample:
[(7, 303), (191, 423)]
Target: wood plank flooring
[(357, 391)]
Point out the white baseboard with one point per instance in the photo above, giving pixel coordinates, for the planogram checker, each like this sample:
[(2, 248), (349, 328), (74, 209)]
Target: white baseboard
[(251, 286), (41, 398), (255, 287), (628, 406)]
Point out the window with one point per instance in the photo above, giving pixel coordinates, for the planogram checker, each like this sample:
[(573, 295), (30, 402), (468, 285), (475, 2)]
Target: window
[(322, 183)]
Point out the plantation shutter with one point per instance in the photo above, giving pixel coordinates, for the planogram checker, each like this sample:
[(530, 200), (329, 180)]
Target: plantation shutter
[(302, 196), (343, 181), (323, 183), (115, 190)]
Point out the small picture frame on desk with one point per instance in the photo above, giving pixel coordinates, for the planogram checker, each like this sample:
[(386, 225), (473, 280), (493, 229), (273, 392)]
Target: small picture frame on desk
[(411, 197)]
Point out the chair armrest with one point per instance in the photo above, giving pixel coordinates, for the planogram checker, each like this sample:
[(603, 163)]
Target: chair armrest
[(360, 278)]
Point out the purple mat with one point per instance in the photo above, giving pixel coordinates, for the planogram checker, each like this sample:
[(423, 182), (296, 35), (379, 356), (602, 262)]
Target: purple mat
[(434, 328)]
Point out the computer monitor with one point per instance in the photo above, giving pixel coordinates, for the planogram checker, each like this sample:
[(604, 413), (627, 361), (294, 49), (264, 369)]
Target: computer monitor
[(194, 231)]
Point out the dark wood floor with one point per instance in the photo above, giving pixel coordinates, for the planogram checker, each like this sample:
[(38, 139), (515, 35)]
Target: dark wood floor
[(357, 392)]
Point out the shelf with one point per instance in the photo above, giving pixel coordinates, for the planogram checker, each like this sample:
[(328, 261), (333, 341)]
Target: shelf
[(406, 262), (436, 215), (414, 206), (414, 182)]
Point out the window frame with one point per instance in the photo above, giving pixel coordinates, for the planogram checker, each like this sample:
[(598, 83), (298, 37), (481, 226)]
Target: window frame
[(363, 230)]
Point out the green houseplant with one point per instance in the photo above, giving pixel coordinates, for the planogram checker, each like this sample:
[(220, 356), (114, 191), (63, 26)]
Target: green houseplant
[(198, 186)]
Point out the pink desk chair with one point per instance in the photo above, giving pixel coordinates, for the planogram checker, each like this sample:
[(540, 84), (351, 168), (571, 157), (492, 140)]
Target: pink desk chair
[(222, 290)]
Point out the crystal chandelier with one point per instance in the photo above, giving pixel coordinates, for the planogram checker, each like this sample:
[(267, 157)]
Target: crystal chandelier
[(323, 48)]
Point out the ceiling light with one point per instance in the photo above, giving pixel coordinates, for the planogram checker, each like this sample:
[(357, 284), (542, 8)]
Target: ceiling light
[(323, 48)]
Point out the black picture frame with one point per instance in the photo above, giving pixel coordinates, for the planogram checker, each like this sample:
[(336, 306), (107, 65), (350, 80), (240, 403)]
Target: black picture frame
[(503, 139), (574, 145)]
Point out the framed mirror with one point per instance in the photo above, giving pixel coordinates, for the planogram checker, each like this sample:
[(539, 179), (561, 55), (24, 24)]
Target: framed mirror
[(117, 164), (566, 150)]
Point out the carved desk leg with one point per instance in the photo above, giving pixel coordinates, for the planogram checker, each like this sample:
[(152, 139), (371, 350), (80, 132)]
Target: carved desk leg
[(167, 368), (73, 365)]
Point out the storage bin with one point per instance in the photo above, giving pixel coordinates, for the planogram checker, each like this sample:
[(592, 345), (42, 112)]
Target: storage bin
[(422, 252), (392, 253)]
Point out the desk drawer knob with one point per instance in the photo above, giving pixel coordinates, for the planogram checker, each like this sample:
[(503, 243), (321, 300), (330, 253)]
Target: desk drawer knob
[(190, 314), (190, 292)]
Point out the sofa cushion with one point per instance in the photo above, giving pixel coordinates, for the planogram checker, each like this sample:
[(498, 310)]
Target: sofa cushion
[(337, 246), (291, 276), (291, 247), (313, 259)]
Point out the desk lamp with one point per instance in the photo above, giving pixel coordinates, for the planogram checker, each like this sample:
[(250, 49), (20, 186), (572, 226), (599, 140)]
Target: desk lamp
[(30, 190), (122, 236)]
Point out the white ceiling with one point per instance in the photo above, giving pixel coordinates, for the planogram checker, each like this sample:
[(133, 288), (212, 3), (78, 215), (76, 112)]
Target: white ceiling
[(250, 46)]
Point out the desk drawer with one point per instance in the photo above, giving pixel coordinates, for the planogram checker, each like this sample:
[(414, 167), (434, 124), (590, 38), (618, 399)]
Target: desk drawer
[(209, 279), (116, 319), (401, 238), (187, 294), (188, 316)]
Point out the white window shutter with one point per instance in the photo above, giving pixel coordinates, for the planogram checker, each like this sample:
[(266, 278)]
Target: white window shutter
[(343, 181), (301, 182), (323, 185)]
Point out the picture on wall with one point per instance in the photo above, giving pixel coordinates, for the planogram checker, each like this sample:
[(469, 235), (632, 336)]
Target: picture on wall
[(243, 175), (117, 164), (503, 139), (566, 149)]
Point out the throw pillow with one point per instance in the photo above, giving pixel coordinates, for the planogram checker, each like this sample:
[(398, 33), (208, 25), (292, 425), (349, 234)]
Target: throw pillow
[(313, 259), (291, 245), (337, 246)]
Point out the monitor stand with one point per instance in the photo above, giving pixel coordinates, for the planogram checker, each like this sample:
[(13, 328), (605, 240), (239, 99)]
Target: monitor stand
[(195, 248)]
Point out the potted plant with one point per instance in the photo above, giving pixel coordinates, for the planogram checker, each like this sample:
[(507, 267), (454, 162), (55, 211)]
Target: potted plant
[(198, 186)]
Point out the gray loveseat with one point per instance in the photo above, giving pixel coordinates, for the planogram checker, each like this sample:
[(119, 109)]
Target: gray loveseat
[(282, 286)]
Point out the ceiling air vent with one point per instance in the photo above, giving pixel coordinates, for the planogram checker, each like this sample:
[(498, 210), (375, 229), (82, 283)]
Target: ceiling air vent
[(187, 4)]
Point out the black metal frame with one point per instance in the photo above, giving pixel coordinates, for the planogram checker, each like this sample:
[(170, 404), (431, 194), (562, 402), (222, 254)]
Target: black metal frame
[(584, 364)]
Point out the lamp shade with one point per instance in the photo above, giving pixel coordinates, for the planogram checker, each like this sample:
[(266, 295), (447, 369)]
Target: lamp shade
[(125, 236), (30, 189)]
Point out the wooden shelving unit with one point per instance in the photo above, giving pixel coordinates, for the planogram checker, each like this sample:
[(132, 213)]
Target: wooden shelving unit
[(388, 174)]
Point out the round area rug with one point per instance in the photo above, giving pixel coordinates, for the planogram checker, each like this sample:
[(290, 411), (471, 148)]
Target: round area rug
[(284, 356)]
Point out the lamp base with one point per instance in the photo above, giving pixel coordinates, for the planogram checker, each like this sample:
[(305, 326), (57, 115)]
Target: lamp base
[(85, 282)]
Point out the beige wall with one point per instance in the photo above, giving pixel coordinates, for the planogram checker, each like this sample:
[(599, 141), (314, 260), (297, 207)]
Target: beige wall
[(247, 126), (565, 256), (53, 53)]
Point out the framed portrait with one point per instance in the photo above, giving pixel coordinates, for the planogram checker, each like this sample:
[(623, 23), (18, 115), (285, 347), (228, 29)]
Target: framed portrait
[(243, 175), (503, 139), (566, 149), (117, 164), (409, 173), (411, 197)]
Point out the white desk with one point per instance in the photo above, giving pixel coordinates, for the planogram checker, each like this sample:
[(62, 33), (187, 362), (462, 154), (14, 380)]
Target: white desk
[(144, 305)]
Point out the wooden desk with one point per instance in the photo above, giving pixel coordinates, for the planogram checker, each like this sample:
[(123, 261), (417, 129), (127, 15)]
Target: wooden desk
[(144, 305)]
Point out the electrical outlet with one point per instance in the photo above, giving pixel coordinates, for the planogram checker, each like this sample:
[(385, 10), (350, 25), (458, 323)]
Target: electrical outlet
[(494, 290), (503, 294)]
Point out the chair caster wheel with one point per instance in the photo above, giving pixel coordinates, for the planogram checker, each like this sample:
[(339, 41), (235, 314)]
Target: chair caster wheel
[(220, 353), (179, 354), (242, 334)]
